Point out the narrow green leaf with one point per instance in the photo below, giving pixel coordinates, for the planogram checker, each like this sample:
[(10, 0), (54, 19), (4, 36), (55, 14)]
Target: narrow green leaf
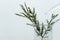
[(23, 8), (31, 24), (26, 6), (33, 10), (42, 30), (24, 14), (20, 15)]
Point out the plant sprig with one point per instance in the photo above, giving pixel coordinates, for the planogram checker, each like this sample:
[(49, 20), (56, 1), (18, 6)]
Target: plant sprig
[(32, 16)]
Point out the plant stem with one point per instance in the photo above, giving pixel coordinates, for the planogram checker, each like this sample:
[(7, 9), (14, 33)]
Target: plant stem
[(42, 38)]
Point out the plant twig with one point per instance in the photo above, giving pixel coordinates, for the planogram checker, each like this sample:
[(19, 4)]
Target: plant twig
[(41, 30)]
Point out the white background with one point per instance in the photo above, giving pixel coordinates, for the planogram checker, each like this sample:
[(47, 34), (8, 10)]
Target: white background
[(13, 27)]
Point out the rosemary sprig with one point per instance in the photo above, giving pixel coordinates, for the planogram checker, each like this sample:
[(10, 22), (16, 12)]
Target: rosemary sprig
[(31, 15)]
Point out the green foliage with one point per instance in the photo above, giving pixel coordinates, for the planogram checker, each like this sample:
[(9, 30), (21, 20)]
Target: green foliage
[(41, 30)]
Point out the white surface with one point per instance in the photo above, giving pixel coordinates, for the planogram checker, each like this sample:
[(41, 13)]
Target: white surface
[(13, 27)]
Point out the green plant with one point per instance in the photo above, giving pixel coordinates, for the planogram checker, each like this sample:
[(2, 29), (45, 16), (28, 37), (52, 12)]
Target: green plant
[(41, 30)]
